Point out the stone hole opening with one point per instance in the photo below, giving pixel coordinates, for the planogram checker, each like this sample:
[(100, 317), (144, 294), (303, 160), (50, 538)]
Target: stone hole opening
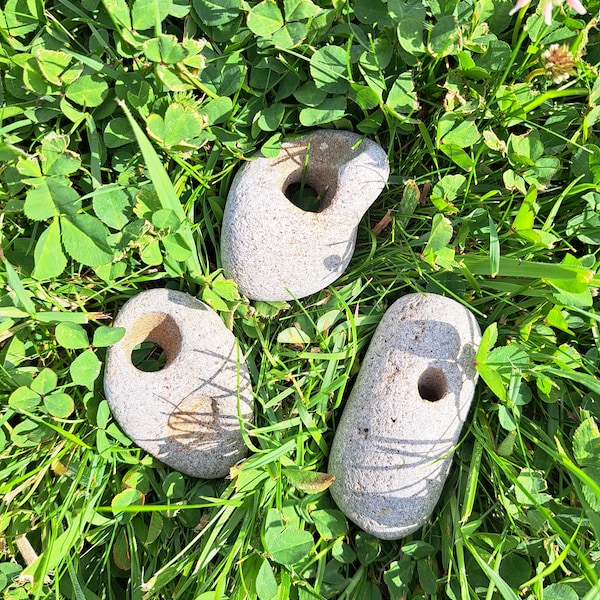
[(156, 342), (304, 196), (432, 385), (148, 357)]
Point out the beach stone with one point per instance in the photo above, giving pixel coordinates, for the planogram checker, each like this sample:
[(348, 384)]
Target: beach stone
[(394, 443), (275, 250), (185, 414)]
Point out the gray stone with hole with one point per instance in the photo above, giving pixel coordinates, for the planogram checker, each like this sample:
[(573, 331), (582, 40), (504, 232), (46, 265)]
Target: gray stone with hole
[(188, 413), (394, 443), (275, 250)]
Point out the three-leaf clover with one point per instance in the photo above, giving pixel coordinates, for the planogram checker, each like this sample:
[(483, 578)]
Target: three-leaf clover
[(86, 367), (43, 390)]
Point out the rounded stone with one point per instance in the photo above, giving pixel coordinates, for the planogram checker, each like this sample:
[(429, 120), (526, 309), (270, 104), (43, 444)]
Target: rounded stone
[(188, 413), (394, 443), (275, 250)]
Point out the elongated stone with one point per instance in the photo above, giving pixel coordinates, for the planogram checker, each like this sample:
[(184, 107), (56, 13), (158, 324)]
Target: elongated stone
[(275, 250), (185, 414), (394, 443)]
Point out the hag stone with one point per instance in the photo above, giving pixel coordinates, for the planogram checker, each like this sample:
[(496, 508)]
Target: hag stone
[(275, 250), (185, 414), (393, 446)]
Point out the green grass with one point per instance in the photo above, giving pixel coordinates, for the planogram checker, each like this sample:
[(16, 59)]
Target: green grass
[(121, 127)]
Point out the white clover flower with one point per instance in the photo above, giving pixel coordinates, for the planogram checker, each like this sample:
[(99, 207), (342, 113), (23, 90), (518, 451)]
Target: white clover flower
[(546, 7), (559, 62)]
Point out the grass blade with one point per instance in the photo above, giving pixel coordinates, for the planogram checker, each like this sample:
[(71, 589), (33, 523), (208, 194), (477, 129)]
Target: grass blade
[(16, 285), (514, 267), (164, 189), (505, 590)]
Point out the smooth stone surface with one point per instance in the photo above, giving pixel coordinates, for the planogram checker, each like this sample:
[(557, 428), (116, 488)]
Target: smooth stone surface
[(394, 443), (277, 251), (186, 414)]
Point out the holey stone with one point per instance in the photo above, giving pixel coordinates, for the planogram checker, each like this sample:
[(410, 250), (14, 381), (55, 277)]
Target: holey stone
[(275, 250), (393, 446), (185, 414)]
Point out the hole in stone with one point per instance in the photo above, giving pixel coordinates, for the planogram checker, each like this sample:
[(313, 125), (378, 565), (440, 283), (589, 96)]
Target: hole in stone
[(432, 384), (303, 196), (148, 357), (155, 342)]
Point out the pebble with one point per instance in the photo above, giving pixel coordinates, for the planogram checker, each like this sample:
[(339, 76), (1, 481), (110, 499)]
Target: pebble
[(393, 446), (185, 414), (277, 251)]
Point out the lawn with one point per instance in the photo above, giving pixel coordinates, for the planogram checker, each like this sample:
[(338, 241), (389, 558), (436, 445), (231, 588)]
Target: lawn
[(122, 125)]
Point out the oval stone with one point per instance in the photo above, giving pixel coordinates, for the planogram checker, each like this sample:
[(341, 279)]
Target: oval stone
[(188, 413), (274, 249), (394, 443)]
